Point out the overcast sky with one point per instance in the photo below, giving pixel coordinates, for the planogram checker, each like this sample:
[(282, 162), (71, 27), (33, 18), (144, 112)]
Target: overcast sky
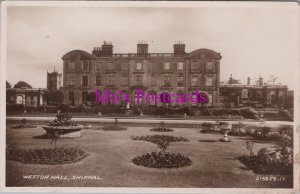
[(253, 41)]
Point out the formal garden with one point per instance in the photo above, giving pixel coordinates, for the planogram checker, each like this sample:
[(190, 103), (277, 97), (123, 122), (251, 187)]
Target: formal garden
[(211, 154), (135, 110)]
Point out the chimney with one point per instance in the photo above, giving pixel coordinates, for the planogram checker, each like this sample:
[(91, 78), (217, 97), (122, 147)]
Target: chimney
[(260, 81), (179, 48), (248, 81), (97, 51), (142, 48), (107, 48)]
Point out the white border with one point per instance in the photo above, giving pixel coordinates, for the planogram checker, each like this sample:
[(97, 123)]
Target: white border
[(6, 4)]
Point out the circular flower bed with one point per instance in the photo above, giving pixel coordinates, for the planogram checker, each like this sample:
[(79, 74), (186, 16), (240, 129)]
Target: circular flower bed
[(114, 128), (49, 156), (162, 160), (162, 129)]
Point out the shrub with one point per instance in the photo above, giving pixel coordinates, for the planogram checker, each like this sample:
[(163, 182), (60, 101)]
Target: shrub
[(279, 161), (62, 119), (249, 113), (15, 108)]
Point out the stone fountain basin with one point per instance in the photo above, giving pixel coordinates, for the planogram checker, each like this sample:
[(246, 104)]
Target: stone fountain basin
[(64, 131)]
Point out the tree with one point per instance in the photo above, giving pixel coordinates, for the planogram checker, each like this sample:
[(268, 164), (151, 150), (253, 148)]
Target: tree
[(22, 84), (54, 97), (203, 98), (8, 85)]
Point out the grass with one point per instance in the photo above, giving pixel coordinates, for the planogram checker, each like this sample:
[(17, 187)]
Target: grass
[(111, 154)]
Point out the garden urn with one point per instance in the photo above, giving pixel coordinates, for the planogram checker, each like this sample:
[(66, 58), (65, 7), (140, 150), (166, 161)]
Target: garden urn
[(225, 127)]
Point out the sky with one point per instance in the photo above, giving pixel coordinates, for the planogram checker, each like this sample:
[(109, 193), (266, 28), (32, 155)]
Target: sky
[(253, 40)]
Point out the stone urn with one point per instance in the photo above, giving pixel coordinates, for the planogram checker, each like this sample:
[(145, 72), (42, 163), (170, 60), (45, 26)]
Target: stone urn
[(63, 127), (225, 127)]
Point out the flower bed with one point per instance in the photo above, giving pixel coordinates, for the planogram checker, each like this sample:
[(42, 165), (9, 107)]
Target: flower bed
[(50, 156), (162, 129), (24, 124), (157, 139), (116, 127), (162, 160)]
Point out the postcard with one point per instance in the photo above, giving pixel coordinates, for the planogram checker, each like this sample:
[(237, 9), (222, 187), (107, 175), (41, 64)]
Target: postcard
[(150, 97)]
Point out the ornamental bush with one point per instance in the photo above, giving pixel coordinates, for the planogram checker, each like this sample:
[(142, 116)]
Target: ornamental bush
[(266, 161), (62, 119)]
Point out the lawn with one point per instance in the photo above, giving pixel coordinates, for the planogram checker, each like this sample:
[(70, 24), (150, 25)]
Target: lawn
[(110, 154)]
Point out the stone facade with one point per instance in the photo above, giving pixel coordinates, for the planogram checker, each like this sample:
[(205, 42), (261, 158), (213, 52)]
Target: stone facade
[(257, 95), (177, 72), (29, 97)]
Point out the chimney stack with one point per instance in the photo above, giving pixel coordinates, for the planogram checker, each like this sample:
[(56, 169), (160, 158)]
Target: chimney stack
[(107, 48), (179, 48), (142, 48), (261, 81), (248, 81)]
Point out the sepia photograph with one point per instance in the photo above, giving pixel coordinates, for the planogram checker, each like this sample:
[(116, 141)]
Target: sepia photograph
[(178, 95)]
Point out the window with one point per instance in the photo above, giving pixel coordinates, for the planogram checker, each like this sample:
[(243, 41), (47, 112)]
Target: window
[(138, 66), (152, 81), (84, 96), (111, 66), (209, 65), (180, 65), (71, 80), (111, 80), (71, 65), (167, 81), (98, 65), (180, 81), (194, 81), (244, 93), (138, 80), (153, 66), (98, 81), (85, 65), (167, 65), (209, 81), (124, 80), (85, 80), (210, 99)]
